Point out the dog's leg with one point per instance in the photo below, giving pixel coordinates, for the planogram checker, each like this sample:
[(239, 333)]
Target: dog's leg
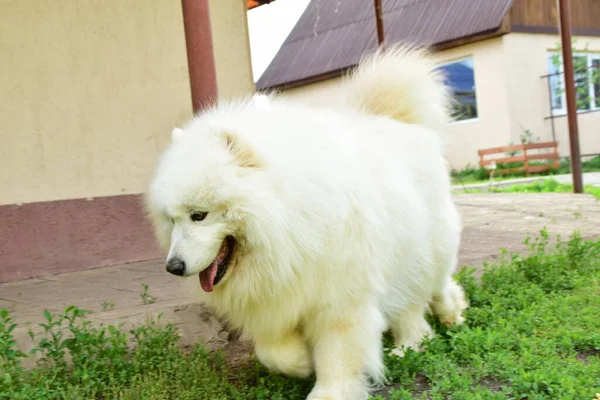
[(449, 303), (409, 328), (347, 349), (287, 355)]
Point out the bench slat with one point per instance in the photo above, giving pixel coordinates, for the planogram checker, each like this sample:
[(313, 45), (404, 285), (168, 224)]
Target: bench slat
[(504, 160), (530, 146), (539, 168), (543, 156), (504, 149)]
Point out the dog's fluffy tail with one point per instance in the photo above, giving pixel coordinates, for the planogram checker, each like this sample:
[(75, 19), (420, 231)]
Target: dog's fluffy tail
[(401, 83)]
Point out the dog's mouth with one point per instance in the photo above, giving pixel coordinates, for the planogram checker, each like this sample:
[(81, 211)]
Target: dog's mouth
[(212, 275)]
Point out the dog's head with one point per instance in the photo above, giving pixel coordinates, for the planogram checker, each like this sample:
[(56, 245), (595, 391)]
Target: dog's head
[(197, 202)]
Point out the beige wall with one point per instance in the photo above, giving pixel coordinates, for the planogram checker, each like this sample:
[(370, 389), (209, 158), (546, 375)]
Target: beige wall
[(91, 90), (463, 138), (492, 126), (89, 93), (529, 106), (232, 48)]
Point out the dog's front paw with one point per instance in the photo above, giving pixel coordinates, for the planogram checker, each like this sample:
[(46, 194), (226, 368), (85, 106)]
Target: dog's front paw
[(288, 356), (322, 393)]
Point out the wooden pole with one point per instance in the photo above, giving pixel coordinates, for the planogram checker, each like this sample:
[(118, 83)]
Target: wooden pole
[(564, 12), (199, 46), (379, 21)]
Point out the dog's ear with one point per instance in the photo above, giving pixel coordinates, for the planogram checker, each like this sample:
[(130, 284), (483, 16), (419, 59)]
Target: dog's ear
[(176, 133), (242, 152)]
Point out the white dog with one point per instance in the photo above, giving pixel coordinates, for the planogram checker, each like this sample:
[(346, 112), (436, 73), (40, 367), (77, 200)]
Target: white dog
[(313, 229)]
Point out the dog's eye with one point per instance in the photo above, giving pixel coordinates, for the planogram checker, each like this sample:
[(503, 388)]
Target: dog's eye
[(198, 216)]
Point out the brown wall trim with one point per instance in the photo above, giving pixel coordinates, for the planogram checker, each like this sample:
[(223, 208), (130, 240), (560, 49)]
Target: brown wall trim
[(552, 30), (41, 239)]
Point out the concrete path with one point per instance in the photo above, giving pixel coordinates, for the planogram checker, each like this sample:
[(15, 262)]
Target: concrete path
[(589, 178), (491, 222)]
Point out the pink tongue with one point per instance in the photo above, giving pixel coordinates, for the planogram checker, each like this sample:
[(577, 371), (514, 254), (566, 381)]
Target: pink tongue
[(207, 277)]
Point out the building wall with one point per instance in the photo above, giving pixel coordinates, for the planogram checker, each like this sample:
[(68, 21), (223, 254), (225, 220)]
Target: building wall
[(530, 104), (492, 127), (231, 45), (542, 16), (89, 93), (511, 97), (91, 90), (463, 138)]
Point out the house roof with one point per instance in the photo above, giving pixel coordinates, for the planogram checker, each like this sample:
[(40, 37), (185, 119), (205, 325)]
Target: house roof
[(333, 35)]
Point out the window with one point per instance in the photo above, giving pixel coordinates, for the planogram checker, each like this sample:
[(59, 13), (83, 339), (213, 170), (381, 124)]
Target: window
[(595, 72), (555, 82), (460, 77), (587, 82)]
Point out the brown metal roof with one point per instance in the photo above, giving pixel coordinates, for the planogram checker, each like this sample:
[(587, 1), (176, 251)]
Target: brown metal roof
[(332, 35)]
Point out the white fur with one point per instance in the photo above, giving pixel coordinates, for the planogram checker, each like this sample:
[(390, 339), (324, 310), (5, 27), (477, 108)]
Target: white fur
[(343, 217), (176, 133)]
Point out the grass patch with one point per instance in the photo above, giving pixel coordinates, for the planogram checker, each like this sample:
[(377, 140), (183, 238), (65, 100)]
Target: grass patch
[(472, 175), (532, 332), (546, 186)]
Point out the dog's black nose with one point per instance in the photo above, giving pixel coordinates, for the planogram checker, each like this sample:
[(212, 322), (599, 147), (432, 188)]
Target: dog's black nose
[(176, 266)]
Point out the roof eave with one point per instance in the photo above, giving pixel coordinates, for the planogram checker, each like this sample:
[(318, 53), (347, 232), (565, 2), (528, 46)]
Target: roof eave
[(304, 81), (489, 34)]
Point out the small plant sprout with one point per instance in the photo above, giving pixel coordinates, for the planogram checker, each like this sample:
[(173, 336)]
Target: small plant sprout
[(147, 298)]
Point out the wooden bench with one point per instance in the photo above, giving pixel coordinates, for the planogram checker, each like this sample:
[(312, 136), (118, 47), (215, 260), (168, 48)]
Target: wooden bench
[(543, 151)]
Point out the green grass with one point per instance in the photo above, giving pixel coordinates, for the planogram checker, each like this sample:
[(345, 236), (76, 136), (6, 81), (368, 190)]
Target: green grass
[(472, 175), (532, 332), (546, 186)]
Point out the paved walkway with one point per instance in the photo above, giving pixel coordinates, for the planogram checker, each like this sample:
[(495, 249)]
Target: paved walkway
[(589, 178), (491, 221)]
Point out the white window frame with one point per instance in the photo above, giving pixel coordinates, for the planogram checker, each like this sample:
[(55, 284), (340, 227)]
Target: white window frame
[(457, 60), (590, 57)]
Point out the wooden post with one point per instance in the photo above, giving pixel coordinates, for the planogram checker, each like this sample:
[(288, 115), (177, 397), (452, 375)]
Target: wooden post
[(564, 13), (201, 60), (379, 22), (525, 160)]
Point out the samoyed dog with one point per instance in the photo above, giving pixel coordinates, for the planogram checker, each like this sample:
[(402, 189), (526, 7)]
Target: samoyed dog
[(313, 228)]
